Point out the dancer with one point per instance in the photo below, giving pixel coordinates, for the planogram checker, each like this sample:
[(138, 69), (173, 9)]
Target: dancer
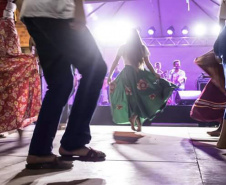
[(62, 39), (209, 108), (220, 51), (136, 94), (20, 95)]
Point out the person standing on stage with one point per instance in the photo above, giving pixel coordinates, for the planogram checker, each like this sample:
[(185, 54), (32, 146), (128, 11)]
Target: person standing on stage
[(158, 69), (177, 77)]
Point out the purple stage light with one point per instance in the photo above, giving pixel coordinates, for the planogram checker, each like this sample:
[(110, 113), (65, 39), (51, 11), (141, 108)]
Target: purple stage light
[(170, 30), (151, 31), (185, 30)]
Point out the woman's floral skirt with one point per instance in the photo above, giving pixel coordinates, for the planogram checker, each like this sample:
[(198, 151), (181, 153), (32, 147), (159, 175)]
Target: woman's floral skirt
[(138, 93)]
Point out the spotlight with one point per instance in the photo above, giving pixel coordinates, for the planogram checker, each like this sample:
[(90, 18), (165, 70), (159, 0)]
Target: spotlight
[(170, 30), (185, 30), (151, 30), (200, 30), (216, 29)]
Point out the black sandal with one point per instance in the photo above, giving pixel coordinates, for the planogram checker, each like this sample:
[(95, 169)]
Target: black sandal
[(56, 164)]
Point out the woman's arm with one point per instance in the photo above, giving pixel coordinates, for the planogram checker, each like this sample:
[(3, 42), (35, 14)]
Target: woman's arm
[(114, 64), (18, 4), (150, 67)]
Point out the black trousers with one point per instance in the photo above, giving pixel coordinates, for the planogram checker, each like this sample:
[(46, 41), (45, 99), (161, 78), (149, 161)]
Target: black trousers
[(59, 47)]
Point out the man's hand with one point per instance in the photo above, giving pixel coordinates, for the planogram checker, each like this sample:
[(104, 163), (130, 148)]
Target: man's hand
[(77, 25), (79, 22), (157, 75)]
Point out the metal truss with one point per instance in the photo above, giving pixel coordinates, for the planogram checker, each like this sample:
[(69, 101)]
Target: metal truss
[(179, 41)]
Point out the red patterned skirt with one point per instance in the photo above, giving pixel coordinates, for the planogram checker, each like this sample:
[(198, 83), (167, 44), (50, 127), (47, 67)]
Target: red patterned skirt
[(210, 106), (20, 94)]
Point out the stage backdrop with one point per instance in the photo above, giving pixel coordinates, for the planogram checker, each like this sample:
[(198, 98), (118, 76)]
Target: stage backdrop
[(166, 55)]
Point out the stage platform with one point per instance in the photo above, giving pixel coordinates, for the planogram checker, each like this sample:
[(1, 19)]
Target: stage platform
[(171, 114)]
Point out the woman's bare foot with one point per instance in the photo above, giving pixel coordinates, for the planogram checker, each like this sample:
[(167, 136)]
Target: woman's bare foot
[(132, 122), (138, 124), (135, 120), (216, 132), (20, 132)]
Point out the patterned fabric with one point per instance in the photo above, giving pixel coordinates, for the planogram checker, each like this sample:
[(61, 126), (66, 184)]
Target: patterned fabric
[(210, 105), (138, 93), (213, 67), (9, 40), (20, 95)]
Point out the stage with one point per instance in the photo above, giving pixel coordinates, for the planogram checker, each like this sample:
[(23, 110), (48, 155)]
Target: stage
[(171, 114)]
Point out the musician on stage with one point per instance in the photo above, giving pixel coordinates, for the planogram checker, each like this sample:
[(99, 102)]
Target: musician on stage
[(178, 77)]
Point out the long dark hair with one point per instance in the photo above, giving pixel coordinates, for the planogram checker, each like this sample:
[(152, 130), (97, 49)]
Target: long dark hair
[(135, 48)]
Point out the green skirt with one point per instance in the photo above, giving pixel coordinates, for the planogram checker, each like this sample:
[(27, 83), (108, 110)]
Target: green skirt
[(138, 93)]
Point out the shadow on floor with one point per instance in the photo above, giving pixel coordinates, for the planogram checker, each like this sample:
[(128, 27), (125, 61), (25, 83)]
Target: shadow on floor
[(207, 148), (30, 176)]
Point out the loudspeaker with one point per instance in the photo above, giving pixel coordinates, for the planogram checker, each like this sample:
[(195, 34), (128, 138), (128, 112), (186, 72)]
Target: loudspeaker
[(201, 85), (186, 97)]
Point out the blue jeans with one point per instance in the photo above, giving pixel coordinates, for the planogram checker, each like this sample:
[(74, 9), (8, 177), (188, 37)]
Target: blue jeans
[(59, 47)]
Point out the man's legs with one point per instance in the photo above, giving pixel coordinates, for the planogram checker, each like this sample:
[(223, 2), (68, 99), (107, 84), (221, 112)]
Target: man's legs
[(83, 107), (92, 67), (59, 78), (77, 48)]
